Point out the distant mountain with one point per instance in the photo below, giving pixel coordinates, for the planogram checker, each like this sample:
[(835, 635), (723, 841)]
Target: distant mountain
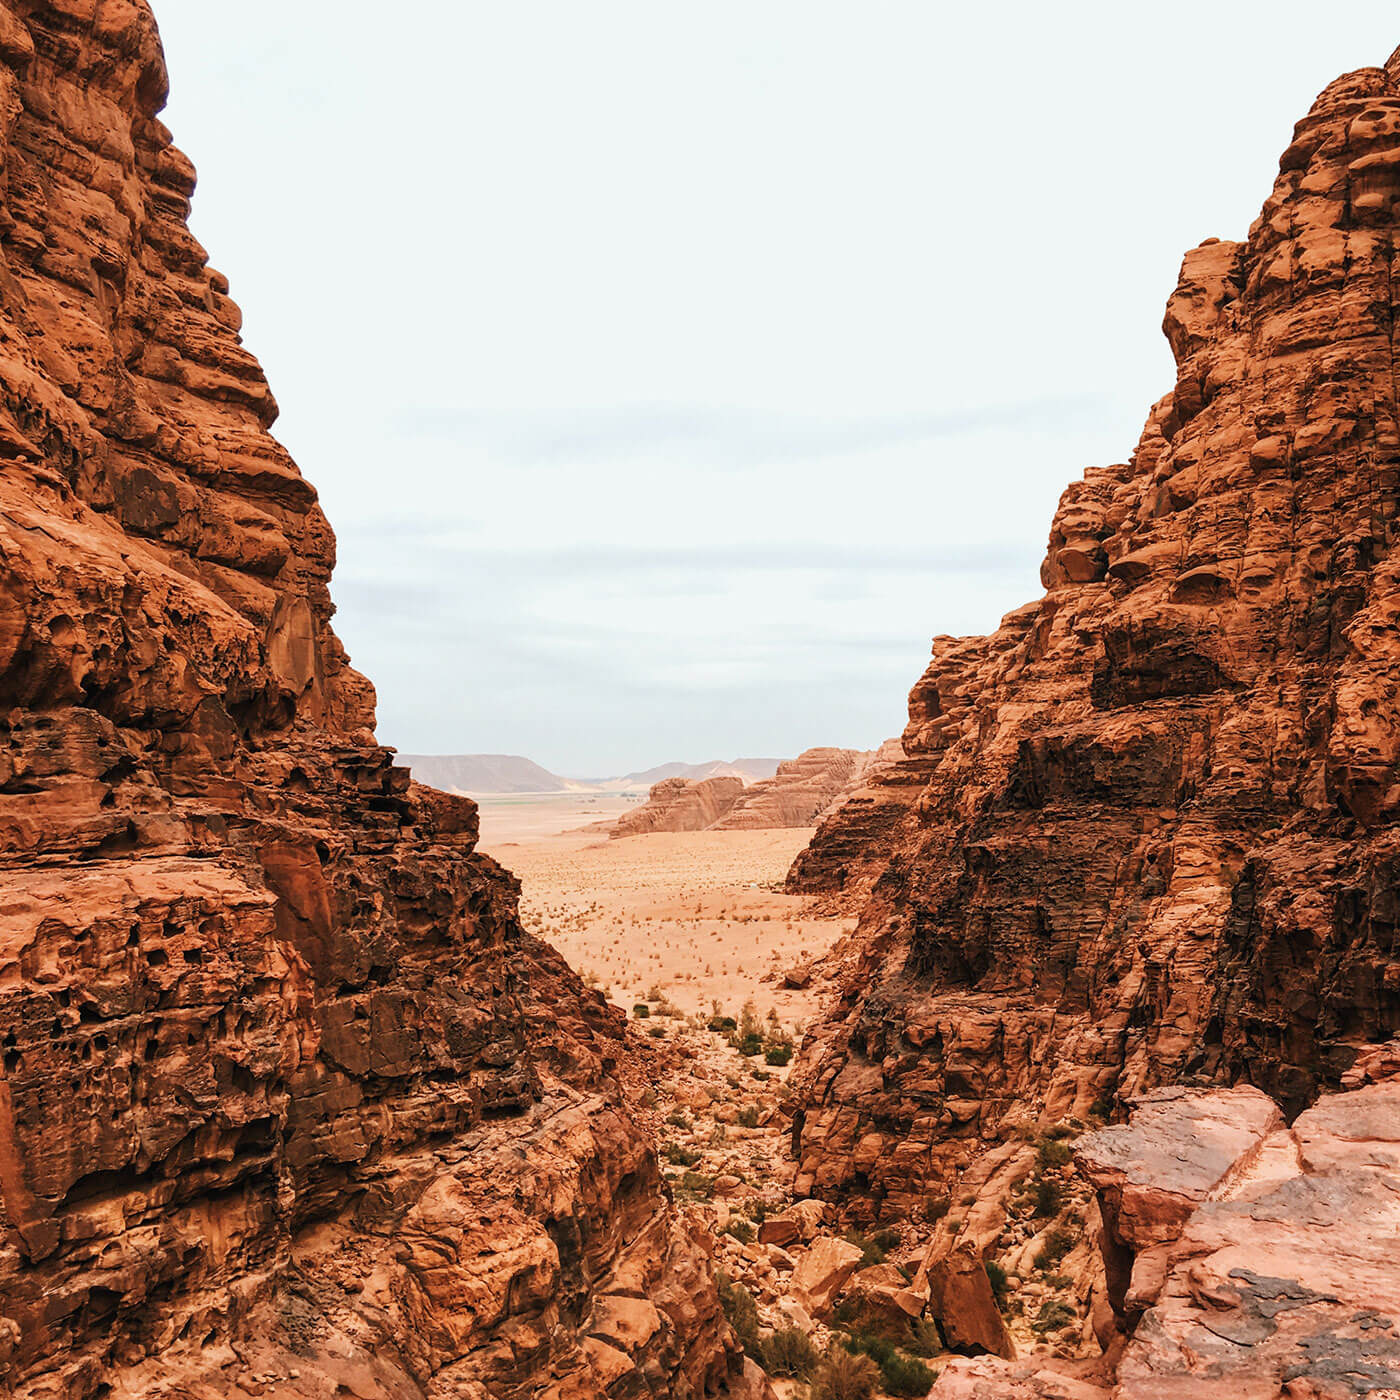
[(753, 769), (492, 773), (481, 772)]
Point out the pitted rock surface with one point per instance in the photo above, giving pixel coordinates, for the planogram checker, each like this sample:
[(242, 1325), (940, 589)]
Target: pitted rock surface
[(1149, 829), (289, 1101)]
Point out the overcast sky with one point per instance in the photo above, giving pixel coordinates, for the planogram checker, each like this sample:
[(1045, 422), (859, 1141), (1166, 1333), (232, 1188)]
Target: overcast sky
[(673, 372)]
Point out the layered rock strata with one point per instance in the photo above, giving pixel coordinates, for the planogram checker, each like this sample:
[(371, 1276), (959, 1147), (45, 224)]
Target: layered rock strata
[(1244, 1257), (681, 804), (289, 1103), (1156, 836), (802, 790)]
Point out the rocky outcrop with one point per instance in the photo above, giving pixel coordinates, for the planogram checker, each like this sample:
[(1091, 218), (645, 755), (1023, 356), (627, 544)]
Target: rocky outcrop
[(1158, 834), (800, 792), (857, 835), (797, 795), (290, 1104), (1245, 1257), (681, 804)]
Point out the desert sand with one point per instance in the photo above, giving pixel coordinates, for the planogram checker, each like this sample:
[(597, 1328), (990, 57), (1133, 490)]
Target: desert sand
[(696, 917)]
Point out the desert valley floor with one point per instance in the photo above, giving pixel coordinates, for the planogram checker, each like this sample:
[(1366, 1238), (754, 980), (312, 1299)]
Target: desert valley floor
[(693, 928)]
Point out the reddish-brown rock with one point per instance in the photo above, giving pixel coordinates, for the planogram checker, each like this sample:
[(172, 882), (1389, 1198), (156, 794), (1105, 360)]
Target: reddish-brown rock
[(1283, 1280), (1158, 833), (290, 1104), (797, 795), (681, 804), (799, 792)]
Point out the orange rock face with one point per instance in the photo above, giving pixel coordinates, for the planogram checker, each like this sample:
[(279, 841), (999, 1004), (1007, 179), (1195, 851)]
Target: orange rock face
[(289, 1101), (802, 790), (1153, 831), (681, 804)]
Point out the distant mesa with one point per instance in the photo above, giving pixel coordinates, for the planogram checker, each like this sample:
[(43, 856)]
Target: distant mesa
[(799, 793), (481, 773), (500, 774), (750, 769)]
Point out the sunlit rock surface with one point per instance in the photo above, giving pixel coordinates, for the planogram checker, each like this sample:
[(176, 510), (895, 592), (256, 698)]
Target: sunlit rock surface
[(290, 1104), (1147, 829)]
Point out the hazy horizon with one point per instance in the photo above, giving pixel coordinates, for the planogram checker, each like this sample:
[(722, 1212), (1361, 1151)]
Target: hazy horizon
[(671, 377)]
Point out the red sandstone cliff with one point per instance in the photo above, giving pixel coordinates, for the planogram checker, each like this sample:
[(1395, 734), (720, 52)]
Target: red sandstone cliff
[(289, 1100), (1148, 828)]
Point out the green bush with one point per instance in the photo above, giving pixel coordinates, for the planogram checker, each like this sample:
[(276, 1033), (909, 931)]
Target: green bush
[(878, 1347), (904, 1376), (1052, 1153), (936, 1207), (996, 1276), (748, 1117), (1048, 1196), (927, 1340), (740, 1311), (1056, 1244), (1054, 1314), (641, 1011), (751, 1044), (778, 1054), (723, 1024), (697, 1184), (873, 1248), (789, 1352), (679, 1156), (739, 1229), (656, 1032), (842, 1376)]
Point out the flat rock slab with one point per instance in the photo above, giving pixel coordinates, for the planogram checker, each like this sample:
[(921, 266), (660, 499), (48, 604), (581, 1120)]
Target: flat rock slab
[(1180, 1146)]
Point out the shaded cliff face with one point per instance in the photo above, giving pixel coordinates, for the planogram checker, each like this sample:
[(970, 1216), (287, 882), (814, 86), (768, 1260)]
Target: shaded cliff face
[(287, 1095), (1155, 834)]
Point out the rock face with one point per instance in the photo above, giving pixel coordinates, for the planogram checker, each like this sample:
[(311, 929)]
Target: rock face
[(681, 804), (799, 792), (854, 841), (1285, 1269), (290, 1104), (797, 795), (1158, 836), (1244, 1257)]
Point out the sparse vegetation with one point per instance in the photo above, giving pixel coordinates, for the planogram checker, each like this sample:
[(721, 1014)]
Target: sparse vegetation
[(748, 1116), (697, 1185), (996, 1276), (906, 1376), (789, 1352), (1054, 1314), (844, 1376), (927, 1339), (740, 1311), (641, 1011), (1055, 1245), (873, 1248), (777, 1054)]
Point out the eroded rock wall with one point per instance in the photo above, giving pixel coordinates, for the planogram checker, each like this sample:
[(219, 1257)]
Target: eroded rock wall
[(287, 1094), (1156, 835), (802, 790)]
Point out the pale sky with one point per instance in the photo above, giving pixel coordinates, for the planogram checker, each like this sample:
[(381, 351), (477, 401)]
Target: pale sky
[(673, 372)]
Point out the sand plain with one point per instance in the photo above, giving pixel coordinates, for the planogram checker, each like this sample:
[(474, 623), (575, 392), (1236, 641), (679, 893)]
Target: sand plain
[(696, 917)]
